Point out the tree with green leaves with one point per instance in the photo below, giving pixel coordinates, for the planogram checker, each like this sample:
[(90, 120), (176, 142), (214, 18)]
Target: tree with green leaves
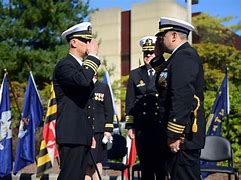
[(30, 35), (216, 48), (30, 40)]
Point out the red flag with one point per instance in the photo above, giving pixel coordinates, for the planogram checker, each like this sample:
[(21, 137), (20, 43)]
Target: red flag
[(49, 127), (48, 149), (131, 157)]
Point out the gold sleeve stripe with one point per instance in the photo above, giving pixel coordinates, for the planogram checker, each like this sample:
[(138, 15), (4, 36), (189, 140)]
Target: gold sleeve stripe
[(129, 119), (157, 68), (93, 68), (91, 64), (175, 128), (109, 125), (179, 132), (176, 125)]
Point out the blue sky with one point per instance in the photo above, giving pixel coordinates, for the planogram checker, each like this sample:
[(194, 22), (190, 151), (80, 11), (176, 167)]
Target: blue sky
[(216, 8)]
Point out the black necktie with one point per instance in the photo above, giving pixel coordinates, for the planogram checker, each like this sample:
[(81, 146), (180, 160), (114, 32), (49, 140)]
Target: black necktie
[(151, 72), (151, 84)]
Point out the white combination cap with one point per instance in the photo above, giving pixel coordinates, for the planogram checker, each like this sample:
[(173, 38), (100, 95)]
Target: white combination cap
[(148, 43), (171, 24), (81, 30)]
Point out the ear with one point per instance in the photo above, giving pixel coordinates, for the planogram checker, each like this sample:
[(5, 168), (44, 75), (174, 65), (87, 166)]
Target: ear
[(73, 43), (174, 36)]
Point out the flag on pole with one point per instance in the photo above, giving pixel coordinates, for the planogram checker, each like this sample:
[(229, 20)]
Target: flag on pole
[(48, 149), (6, 158), (220, 109), (32, 116), (106, 80), (131, 154)]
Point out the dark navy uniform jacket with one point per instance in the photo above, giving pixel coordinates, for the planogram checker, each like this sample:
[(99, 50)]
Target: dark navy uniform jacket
[(103, 108), (142, 108), (74, 87), (180, 83)]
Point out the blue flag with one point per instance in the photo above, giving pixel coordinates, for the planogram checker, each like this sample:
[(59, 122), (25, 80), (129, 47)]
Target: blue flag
[(106, 80), (32, 116), (220, 109), (6, 158)]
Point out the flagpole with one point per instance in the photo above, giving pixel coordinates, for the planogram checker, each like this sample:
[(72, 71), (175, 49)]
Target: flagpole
[(106, 74), (13, 93), (228, 108), (118, 123)]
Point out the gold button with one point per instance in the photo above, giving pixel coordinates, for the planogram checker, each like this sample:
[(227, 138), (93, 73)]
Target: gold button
[(174, 120)]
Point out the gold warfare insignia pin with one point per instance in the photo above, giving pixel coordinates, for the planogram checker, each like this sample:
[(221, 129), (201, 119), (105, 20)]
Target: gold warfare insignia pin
[(149, 42)]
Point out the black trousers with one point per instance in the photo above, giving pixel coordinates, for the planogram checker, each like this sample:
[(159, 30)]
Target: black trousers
[(151, 155), (184, 165), (73, 161)]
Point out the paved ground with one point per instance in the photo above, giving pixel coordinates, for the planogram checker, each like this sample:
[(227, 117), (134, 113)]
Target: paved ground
[(28, 173)]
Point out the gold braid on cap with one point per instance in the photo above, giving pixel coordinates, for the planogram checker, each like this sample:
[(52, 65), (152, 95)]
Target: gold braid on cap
[(165, 29), (85, 36)]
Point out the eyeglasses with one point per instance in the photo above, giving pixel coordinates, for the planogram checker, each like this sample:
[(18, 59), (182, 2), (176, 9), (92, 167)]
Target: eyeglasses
[(148, 52)]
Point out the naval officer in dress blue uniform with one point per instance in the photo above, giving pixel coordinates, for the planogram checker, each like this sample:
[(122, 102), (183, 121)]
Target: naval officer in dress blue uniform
[(103, 126), (180, 83), (74, 87), (142, 113)]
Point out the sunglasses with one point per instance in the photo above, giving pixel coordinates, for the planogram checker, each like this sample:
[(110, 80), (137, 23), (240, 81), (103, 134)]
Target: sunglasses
[(83, 40)]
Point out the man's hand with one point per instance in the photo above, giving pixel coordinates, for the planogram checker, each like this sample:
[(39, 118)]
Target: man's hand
[(174, 144), (158, 47), (93, 145), (92, 47), (131, 133), (108, 135)]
